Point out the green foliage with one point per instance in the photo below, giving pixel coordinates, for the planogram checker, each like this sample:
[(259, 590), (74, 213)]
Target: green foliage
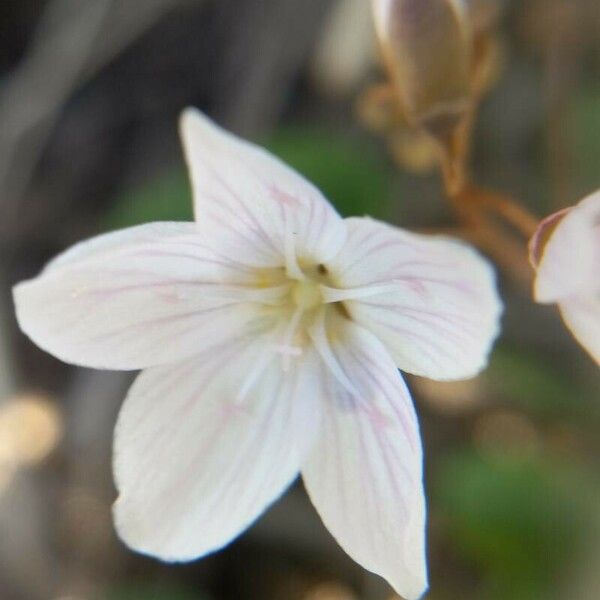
[(586, 134), (533, 385), (156, 591), (164, 198), (343, 168), (519, 521)]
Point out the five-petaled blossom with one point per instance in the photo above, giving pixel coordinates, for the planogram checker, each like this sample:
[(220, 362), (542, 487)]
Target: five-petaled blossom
[(565, 251), (270, 332)]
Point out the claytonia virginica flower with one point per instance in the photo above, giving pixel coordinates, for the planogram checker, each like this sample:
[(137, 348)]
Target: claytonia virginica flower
[(565, 251), (270, 332)]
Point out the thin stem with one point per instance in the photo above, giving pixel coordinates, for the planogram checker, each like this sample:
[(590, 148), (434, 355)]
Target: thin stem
[(509, 253), (506, 207)]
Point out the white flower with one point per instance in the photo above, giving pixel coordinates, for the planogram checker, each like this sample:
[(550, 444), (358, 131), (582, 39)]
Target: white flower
[(269, 333), (565, 251)]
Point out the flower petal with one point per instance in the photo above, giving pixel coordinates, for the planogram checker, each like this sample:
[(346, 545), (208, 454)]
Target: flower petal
[(434, 302), (542, 234), (194, 463), (365, 474), (570, 260), (250, 204), (142, 296), (582, 317)]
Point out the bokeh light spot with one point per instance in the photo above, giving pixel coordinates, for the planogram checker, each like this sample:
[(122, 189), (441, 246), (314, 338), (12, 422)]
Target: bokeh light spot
[(30, 429)]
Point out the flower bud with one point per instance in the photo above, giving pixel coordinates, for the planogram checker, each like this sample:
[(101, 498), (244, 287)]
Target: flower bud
[(488, 50), (426, 46)]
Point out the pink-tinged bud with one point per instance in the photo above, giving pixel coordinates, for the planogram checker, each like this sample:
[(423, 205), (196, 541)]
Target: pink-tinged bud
[(426, 46), (565, 252)]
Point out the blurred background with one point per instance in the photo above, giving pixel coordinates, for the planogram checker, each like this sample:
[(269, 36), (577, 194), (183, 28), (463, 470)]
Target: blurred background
[(90, 93)]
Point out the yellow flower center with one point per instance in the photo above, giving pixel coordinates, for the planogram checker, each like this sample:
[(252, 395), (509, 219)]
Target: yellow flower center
[(306, 294)]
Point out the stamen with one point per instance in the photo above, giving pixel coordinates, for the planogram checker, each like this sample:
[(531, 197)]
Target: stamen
[(289, 350), (274, 295), (337, 295), (318, 335), (292, 268), (286, 349)]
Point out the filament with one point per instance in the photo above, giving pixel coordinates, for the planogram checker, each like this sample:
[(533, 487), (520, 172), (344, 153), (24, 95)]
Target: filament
[(336, 295), (318, 335), (286, 349), (293, 270)]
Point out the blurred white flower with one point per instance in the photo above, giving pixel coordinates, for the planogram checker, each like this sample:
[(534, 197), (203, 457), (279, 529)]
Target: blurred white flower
[(345, 50), (270, 332), (565, 251)]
